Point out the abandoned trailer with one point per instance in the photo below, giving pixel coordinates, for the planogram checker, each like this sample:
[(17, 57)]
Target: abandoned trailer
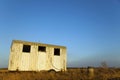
[(31, 56)]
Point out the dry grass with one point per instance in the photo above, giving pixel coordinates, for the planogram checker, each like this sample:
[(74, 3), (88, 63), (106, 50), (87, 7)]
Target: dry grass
[(71, 74)]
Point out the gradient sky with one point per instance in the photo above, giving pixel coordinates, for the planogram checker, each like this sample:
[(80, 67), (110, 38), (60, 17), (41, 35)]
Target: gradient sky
[(90, 29)]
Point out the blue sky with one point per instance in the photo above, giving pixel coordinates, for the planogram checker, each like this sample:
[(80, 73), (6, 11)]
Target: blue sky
[(90, 29)]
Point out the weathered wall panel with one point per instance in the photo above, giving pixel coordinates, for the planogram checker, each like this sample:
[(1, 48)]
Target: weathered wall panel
[(42, 61), (36, 60)]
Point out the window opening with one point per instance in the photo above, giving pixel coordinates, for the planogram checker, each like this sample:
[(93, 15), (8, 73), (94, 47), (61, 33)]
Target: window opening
[(26, 48), (42, 48), (57, 51)]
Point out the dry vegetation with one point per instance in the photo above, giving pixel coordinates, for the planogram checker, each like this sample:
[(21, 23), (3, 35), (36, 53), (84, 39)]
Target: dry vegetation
[(71, 74)]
